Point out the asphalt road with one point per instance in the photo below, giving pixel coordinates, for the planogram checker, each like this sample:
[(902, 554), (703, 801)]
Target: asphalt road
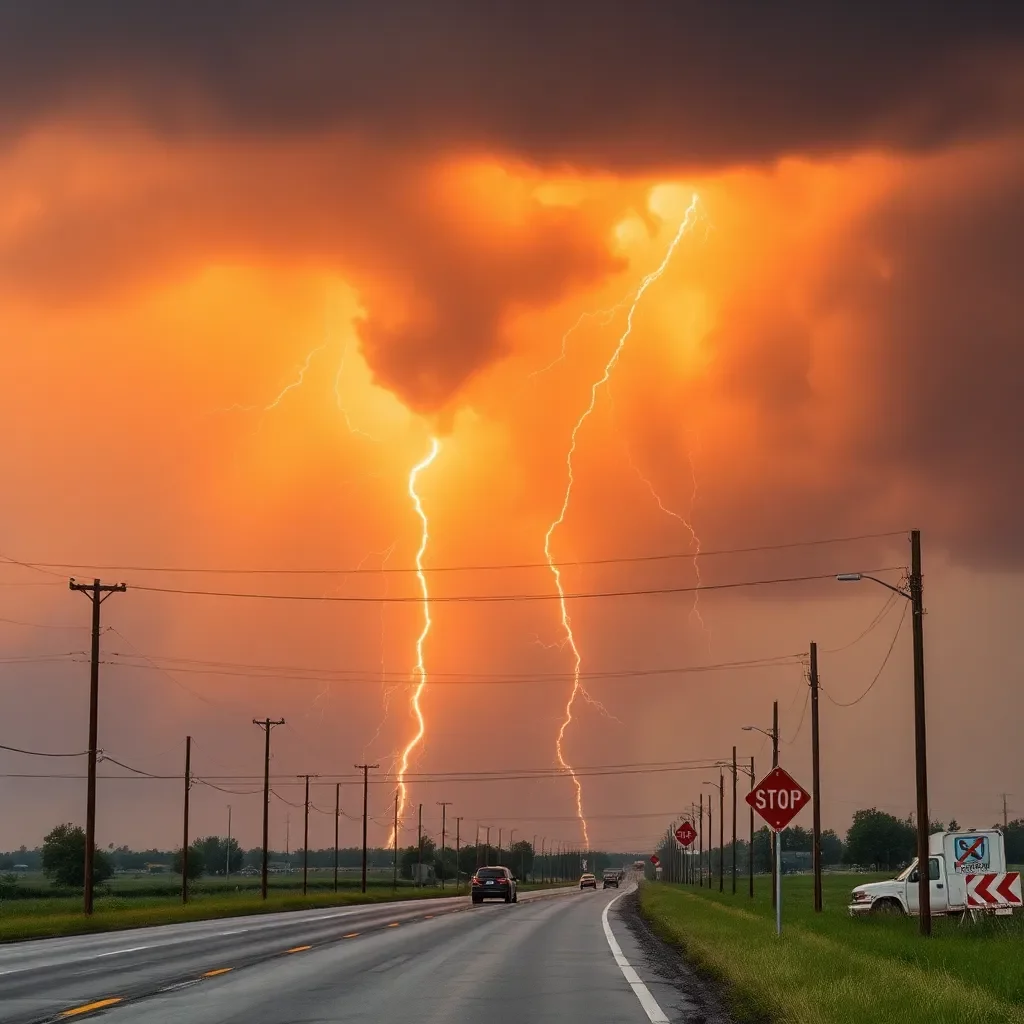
[(554, 956)]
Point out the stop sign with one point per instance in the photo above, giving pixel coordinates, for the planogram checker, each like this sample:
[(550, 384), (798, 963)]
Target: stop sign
[(686, 834), (778, 798), (655, 860)]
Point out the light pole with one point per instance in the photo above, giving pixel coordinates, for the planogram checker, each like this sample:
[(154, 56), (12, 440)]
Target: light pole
[(720, 786), (773, 735), (914, 593), (750, 851)]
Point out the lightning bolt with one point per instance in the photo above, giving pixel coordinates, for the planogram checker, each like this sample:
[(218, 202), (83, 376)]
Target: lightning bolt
[(341, 405), (420, 671), (578, 690), (607, 314), (688, 523)]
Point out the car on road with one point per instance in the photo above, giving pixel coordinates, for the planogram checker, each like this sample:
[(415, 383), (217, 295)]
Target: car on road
[(494, 883), (588, 881), (610, 878)]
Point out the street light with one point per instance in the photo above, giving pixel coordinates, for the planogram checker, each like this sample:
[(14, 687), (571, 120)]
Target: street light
[(749, 772), (914, 593), (720, 786)]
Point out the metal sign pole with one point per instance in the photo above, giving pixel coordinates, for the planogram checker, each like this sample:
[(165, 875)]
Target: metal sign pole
[(778, 882)]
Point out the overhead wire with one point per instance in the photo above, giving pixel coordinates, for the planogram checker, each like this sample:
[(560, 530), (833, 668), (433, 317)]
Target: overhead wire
[(881, 668), (43, 753), (500, 598), (358, 571)]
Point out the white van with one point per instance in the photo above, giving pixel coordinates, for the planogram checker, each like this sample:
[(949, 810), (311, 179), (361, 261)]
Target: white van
[(951, 856)]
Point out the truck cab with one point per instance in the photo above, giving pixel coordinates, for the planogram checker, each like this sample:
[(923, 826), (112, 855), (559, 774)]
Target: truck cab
[(951, 857)]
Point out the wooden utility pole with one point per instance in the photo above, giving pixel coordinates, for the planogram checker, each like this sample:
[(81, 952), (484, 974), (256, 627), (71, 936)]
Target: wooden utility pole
[(337, 815), (774, 835), (305, 834), (184, 841), (734, 821), (444, 805), (815, 782), (365, 769), (419, 847), (916, 587), (458, 873), (266, 725), (721, 831), (700, 844), (97, 593), (750, 857), (394, 880)]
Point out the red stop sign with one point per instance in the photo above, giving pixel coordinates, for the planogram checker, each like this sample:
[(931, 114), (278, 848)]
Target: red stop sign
[(655, 860), (686, 834), (778, 798)]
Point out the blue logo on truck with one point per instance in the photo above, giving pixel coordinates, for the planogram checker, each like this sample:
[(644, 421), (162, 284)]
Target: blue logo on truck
[(971, 853)]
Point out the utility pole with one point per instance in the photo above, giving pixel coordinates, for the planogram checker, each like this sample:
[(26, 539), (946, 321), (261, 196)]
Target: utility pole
[(419, 848), (444, 805), (227, 857), (721, 831), (97, 593), (365, 769), (267, 725), (337, 815), (815, 781), (1005, 822), (499, 845), (184, 841), (711, 874), (734, 821), (458, 870), (916, 587), (305, 833), (487, 851), (775, 835), (700, 843), (394, 880), (750, 857)]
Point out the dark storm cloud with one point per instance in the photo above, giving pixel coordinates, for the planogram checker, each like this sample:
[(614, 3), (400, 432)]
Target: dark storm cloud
[(616, 84)]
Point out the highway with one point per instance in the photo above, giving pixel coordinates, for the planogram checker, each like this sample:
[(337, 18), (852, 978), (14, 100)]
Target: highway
[(558, 955)]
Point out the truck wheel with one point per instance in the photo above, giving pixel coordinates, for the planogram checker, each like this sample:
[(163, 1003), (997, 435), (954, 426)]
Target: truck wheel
[(886, 908)]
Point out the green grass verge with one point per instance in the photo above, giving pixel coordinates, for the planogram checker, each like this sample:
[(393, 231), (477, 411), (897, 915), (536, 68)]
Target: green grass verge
[(45, 918), (830, 969)]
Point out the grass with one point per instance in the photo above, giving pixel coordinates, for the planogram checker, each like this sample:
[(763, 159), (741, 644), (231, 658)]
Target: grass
[(44, 918), (831, 969)]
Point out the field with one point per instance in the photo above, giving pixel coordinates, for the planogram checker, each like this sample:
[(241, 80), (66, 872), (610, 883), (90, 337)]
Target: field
[(830, 969), (134, 902)]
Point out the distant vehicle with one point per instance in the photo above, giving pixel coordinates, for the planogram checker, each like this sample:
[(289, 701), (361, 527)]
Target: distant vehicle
[(951, 857), (610, 878), (494, 883), (588, 881)]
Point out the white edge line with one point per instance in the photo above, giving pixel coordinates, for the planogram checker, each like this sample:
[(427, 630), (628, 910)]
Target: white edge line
[(655, 1014), (118, 952)]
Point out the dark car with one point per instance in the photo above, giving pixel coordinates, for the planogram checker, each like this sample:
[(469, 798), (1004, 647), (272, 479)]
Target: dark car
[(610, 878), (494, 883)]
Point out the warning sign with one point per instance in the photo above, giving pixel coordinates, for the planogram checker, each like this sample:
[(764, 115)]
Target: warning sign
[(972, 854)]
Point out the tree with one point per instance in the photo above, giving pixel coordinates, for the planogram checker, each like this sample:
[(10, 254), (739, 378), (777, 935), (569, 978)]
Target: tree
[(1013, 836), (877, 839), (410, 856), (954, 825), (196, 861), (831, 847), (64, 858)]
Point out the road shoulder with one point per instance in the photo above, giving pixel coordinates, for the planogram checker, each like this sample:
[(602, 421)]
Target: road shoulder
[(683, 993)]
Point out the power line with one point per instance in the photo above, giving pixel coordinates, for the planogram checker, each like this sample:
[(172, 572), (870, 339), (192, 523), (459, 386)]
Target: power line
[(881, 668), (502, 598), (42, 753), (616, 560)]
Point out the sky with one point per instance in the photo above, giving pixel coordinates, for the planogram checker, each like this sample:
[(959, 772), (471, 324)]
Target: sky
[(256, 259)]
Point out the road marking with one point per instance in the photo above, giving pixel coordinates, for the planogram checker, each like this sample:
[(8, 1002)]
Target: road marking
[(180, 984), (655, 1014), (298, 949), (98, 1005), (394, 924), (116, 952), (220, 970), (427, 917)]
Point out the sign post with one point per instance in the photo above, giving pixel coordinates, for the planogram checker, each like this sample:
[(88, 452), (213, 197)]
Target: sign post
[(778, 798)]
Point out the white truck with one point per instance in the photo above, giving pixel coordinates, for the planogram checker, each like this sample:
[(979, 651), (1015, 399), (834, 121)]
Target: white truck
[(951, 857)]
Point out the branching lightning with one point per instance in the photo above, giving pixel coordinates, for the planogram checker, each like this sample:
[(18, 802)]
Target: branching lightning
[(606, 315), (420, 671), (578, 689)]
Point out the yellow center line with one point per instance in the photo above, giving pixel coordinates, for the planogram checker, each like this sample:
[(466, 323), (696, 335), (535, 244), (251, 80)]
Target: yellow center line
[(298, 949), (394, 924), (351, 935), (220, 970), (427, 917), (98, 1005)]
